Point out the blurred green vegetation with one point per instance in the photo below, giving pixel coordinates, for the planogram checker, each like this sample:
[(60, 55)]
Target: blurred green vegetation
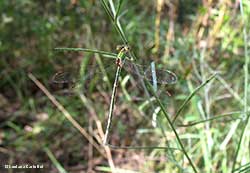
[(196, 39)]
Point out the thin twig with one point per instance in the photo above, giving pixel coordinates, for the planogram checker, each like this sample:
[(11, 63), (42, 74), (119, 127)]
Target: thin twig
[(99, 128), (66, 113)]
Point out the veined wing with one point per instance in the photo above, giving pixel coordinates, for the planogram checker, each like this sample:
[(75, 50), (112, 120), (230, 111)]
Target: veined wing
[(62, 77), (93, 76), (164, 77)]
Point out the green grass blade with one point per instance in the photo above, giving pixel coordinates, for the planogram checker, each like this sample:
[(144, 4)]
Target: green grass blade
[(117, 27), (54, 160), (215, 117), (118, 9), (143, 147), (247, 61), (104, 53), (244, 124), (107, 10), (117, 170), (246, 76), (171, 124), (242, 167), (191, 95)]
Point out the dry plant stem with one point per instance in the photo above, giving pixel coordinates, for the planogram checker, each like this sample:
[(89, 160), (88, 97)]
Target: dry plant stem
[(107, 149), (99, 128), (90, 147), (173, 7), (66, 113), (213, 34), (112, 104), (157, 24), (144, 148)]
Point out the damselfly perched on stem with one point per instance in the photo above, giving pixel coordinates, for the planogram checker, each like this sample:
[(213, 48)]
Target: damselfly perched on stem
[(151, 73), (164, 77)]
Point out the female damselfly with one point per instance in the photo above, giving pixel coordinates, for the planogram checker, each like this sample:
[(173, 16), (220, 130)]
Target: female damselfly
[(150, 73), (164, 77)]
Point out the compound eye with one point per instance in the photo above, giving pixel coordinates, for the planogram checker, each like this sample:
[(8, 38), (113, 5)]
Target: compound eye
[(119, 47), (126, 48)]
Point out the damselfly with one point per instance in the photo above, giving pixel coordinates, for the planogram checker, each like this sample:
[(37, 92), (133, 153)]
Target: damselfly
[(151, 73), (163, 77)]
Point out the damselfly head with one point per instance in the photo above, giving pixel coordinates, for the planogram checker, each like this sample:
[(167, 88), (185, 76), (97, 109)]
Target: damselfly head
[(119, 47), (124, 48)]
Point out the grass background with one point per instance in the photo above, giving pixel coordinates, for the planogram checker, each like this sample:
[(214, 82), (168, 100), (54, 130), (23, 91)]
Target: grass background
[(194, 39)]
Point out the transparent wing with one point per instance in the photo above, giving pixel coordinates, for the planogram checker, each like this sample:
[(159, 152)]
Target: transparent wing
[(95, 76), (164, 77), (63, 77)]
